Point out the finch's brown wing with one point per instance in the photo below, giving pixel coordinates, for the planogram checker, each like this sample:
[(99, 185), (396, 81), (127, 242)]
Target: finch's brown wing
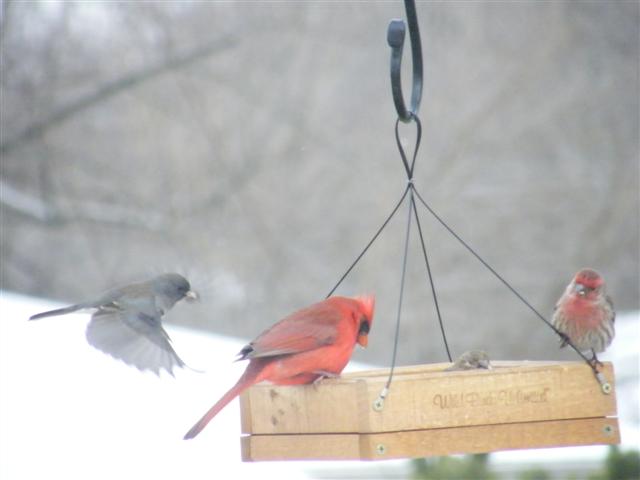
[(613, 310)]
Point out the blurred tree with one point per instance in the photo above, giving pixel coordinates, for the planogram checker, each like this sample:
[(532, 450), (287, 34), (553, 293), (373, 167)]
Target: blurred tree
[(535, 474), (250, 147), (453, 468), (619, 465)]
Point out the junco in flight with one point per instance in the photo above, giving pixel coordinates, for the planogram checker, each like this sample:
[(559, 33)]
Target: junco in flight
[(126, 322)]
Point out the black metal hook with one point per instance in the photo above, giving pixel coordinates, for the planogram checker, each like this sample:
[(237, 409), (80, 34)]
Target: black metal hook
[(395, 38)]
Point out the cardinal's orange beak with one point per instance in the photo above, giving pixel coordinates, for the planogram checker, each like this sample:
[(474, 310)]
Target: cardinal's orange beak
[(363, 340)]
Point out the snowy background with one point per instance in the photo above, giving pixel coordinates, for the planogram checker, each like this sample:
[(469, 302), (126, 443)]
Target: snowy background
[(70, 411)]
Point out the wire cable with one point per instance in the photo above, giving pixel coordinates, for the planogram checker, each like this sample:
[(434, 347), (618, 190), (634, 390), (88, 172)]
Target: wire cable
[(399, 313), (499, 277), (395, 209), (431, 282)]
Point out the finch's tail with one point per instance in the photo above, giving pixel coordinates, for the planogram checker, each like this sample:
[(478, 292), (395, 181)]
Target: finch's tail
[(59, 311), (249, 378)]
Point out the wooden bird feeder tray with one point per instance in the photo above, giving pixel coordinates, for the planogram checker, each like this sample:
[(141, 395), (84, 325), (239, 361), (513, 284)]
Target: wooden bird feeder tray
[(430, 412)]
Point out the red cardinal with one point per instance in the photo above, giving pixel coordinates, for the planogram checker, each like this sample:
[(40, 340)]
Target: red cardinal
[(585, 313), (310, 344)]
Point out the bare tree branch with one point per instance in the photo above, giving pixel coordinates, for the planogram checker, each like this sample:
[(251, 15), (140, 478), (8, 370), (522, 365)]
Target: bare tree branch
[(5, 11), (24, 203), (113, 88), (109, 213), (92, 211)]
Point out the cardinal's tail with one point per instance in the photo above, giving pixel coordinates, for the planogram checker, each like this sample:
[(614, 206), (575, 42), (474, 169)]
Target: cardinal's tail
[(248, 378), (59, 311)]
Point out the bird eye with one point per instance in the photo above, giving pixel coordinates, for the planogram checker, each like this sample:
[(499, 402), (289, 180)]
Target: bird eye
[(364, 327)]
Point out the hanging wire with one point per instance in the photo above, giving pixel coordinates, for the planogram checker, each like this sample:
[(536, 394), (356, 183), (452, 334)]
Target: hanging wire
[(395, 209), (379, 402), (499, 277), (431, 282), (395, 38), (409, 169), (403, 156)]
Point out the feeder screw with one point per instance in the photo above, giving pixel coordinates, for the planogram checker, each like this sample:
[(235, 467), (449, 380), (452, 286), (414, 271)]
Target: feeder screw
[(608, 430), (378, 403), (381, 449), (604, 385)]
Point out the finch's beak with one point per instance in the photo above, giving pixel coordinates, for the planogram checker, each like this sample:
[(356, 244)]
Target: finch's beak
[(192, 296), (580, 289)]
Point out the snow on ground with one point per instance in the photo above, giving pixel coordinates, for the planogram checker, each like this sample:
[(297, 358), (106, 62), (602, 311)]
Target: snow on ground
[(70, 411)]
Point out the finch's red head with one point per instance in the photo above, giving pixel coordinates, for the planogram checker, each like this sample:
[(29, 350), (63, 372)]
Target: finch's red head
[(366, 305), (587, 281)]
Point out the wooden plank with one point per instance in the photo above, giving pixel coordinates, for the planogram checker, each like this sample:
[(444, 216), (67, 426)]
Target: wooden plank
[(440, 367), (295, 409), (503, 395), (424, 443), (426, 397)]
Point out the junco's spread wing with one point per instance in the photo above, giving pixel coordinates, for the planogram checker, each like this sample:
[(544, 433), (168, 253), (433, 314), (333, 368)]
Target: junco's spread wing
[(134, 337)]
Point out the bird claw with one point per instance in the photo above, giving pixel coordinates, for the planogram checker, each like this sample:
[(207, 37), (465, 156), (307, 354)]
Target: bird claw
[(321, 376), (595, 363), (564, 339)]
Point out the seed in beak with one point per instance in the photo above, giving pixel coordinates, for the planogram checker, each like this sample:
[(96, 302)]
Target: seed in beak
[(191, 295)]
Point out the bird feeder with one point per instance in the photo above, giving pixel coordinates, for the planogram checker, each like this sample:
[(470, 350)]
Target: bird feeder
[(430, 412)]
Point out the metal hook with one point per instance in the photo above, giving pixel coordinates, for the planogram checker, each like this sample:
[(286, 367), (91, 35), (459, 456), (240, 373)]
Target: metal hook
[(395, 38)]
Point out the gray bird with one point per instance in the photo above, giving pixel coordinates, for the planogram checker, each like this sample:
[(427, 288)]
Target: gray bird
[(470, 360), (126, 322)]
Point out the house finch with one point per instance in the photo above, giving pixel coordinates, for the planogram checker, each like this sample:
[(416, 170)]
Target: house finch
[(585, 315), (470, 360), (310, 344), (126, 322)]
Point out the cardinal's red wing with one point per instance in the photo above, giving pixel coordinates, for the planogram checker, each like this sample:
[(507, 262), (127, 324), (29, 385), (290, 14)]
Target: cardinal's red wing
[(302, 331)]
